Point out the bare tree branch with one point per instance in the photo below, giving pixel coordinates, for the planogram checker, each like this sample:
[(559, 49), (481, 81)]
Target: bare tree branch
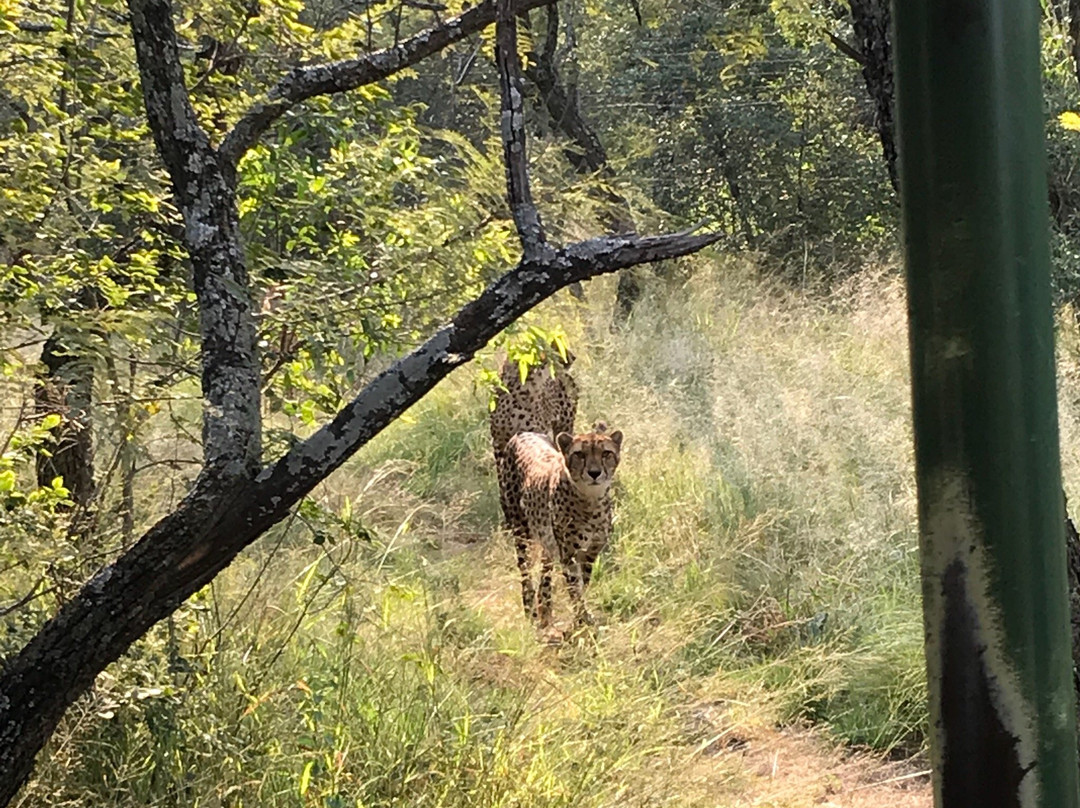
[(526, 216), (48, 28), (205, 195), (302, 83), (846, 49)]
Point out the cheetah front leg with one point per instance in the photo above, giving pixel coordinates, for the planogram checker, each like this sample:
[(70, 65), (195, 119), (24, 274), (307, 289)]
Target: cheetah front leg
[(540, 531), (576, 580)]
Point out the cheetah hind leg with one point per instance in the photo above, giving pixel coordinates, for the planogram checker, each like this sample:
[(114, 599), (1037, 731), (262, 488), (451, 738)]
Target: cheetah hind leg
[(528, 593), (543, 605)]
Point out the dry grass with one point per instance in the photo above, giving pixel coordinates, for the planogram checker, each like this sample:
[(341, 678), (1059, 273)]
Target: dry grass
[(763, 574)]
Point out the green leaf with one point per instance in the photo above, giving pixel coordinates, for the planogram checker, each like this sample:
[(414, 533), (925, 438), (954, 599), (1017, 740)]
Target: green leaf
[(305, 778)]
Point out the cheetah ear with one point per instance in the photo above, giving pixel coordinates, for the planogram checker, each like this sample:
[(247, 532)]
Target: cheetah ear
[(564, 440), (616, 438)]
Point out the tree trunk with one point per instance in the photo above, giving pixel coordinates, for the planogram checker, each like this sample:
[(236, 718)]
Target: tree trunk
[(872, 23), (66, 389), (203, 183), (586, 154)]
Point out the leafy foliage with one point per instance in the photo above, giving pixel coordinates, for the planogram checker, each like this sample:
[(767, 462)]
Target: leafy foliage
[(748, 115)]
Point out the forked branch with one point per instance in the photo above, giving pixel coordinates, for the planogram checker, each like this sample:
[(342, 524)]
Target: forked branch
[(302, 83)]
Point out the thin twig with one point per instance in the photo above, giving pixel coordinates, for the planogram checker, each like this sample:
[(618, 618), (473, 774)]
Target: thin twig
[(901, 778), (845, 48), (171, 462), (29, 596)]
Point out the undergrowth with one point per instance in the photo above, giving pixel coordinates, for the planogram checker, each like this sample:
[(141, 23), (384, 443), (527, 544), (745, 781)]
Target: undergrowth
[(370, 651)]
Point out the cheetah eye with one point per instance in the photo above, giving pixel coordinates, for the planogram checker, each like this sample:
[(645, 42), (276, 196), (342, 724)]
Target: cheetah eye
[(608, 454)]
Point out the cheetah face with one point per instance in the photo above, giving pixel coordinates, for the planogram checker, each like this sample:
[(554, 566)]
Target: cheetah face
[(591, 460)]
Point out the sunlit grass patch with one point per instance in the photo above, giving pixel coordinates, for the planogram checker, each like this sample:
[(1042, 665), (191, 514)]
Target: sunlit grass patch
[(372, 650)]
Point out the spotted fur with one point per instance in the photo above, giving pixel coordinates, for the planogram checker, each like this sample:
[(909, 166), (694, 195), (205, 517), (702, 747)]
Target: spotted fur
[(545, 403), (563, 507)]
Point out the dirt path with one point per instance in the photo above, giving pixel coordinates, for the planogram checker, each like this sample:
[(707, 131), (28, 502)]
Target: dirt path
[(737, 759), (793, 768)]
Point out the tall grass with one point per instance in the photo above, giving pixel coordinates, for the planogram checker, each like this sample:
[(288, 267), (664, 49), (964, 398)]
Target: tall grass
[(371, 652)]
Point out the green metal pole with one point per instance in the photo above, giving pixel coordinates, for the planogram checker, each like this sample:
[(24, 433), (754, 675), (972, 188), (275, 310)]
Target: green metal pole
[(973, 182)]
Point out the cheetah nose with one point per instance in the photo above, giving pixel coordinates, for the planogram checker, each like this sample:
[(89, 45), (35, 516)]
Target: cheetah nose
[(594, 473)]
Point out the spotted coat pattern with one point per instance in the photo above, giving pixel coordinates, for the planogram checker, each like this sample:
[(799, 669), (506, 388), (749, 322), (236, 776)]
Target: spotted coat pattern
[(545, 403), (564, 509)]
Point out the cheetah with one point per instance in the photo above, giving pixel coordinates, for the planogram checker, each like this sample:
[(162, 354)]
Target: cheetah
[(545, 403), (561, 501)]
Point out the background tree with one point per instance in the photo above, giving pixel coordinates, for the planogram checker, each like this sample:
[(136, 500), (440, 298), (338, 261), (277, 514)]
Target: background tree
[(871, 21)]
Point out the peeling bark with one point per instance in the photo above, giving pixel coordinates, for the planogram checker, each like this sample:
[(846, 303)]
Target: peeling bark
[(203, 187)]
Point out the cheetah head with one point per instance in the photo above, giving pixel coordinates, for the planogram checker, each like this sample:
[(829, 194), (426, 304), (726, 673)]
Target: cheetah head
[(591, 459)]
